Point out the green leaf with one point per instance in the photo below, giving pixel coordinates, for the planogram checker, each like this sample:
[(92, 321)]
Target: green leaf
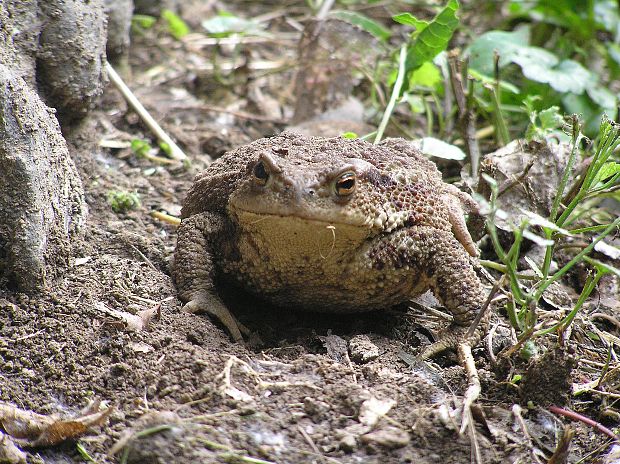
[(143, 21), (409, 20), (584, 106), (416, 102), (550, 118), (542, 66), (529, 350), (607, 170), (427, 75), (176, 26), (226, 24), (537, 64), (367, 24), (542, 123), (606, 14), (602, 267), (434, 38), (140, 147), (614, 52), (481, 51), (603, 97)]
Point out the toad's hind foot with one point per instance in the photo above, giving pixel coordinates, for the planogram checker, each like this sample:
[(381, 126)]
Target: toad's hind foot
[(450, 339), (214, 307)]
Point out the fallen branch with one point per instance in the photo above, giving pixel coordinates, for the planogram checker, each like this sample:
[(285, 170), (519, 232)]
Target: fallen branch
[(175, 152)]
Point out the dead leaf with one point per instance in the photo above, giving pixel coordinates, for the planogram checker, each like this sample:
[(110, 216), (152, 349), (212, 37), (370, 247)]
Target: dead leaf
[(608, 250), (29, 429), (128, 321), (374, 409), (336, 347), (140, 347)]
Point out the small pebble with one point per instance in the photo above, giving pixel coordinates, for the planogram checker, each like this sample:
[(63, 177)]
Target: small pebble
[(362, 349)]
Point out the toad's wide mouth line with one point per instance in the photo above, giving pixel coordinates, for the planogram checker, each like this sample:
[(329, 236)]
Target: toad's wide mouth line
[(295, 215)]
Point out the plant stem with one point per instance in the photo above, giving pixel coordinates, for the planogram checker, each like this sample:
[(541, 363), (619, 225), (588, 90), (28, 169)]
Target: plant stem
[(395, 94), (575, 260)]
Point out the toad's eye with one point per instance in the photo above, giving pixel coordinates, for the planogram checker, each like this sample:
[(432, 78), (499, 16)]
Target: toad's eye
[(261, 175), (345, 184)]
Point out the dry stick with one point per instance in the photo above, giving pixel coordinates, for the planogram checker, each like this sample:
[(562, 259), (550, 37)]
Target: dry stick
[(473, 380), (466, 114), (310, 442), (586, 420), (175, 221), (324, 10), (236, 113), (485, 306), (175, 152), (515, 180), (607, 317), (560, 455), (447, 109)]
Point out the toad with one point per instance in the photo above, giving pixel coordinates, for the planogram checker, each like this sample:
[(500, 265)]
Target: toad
[(327, 225)]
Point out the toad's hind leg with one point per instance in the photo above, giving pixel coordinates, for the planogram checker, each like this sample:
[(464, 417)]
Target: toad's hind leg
[(194, 269)]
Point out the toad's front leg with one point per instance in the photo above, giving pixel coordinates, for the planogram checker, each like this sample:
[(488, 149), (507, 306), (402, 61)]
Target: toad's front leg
[(194, 269), (445, 263)]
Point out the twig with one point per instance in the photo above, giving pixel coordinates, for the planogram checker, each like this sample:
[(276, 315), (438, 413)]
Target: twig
[(175, 221), (175, 152), (515, 180), (572, 415), (471, 395), (516, 412), (326, 5), (560, 455), (485, 306), (236, 113), (310, 442), (607, 317), (490, 336), (466, 114)]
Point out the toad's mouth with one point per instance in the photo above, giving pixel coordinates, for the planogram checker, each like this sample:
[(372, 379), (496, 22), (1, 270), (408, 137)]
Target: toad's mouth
[(296, 213)]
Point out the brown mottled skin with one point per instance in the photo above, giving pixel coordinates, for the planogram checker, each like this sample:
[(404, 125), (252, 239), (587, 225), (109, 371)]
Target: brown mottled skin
[(330, 225)]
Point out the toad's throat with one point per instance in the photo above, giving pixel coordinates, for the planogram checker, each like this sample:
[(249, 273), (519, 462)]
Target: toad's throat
[(288, 213), (288, 242)]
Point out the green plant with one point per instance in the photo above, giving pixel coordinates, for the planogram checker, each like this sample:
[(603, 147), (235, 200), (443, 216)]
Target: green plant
[(122, 201), (141, 148), (601, 175), (176, 26), (415, 65), (225, 24), (580, 57), (142, 22)]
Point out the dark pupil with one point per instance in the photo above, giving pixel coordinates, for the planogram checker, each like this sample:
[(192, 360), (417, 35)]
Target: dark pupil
[(260, 172), (346, 184)]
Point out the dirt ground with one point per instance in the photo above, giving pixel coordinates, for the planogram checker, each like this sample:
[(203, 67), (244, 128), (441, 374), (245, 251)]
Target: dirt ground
[(306, 388)]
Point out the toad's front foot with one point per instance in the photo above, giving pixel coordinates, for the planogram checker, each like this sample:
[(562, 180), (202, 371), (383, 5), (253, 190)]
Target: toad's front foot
[(214, 307)]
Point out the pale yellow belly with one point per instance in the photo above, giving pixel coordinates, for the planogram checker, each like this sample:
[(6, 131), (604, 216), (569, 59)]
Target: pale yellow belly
[(312, 265)]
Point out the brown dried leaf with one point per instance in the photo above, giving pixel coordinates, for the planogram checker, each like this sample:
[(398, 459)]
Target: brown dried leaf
[(29, 429), (128, 321)]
